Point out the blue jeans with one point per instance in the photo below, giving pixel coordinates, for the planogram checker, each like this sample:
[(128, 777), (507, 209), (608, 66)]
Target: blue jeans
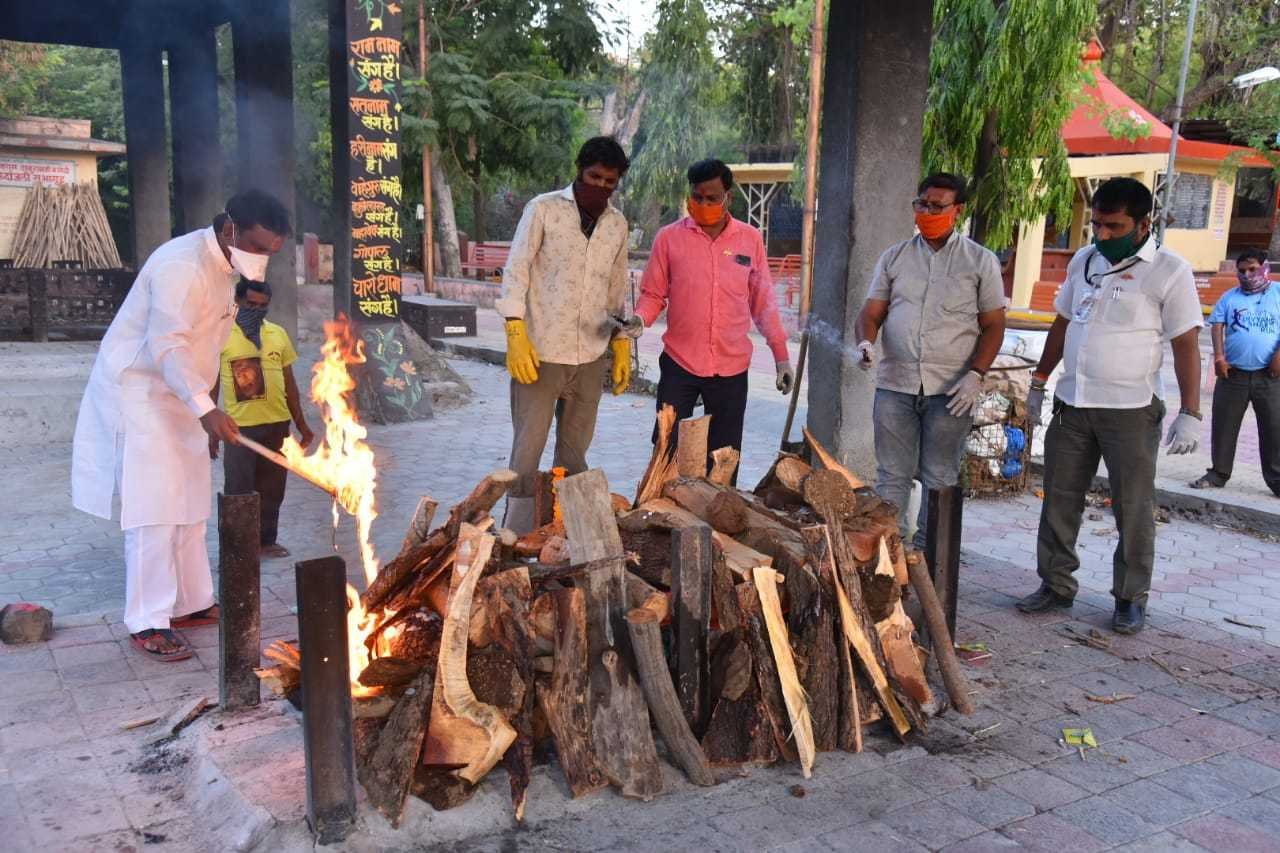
[(916, 438)]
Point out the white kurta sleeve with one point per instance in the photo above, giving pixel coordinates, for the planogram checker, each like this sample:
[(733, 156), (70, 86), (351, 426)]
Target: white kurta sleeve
[(175, 307), (517, 273)]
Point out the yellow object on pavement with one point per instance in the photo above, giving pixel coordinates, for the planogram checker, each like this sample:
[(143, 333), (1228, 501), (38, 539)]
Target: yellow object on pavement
[(621, 347), (522, 359)]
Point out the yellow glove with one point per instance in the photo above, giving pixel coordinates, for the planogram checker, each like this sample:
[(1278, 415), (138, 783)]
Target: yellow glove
[(522, 359), (621, 347)]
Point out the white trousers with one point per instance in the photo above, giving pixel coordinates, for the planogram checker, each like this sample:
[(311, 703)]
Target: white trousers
[(166, 574)]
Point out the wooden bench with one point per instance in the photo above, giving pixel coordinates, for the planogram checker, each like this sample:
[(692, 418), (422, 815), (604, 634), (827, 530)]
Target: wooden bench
[(484, 260)]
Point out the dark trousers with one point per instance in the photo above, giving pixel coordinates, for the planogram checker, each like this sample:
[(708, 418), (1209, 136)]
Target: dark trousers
[(724, 398), (1128, 440), (1231, 396), (245, 471)]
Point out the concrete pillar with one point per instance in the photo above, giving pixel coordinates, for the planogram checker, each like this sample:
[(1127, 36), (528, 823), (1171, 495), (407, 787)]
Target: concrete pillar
[(872, 114), (142, 81), (1027, 261), (264, 122), (197, 149)]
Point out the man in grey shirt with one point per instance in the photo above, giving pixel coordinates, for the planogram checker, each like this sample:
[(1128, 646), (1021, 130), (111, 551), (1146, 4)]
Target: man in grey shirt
[(939, 301)]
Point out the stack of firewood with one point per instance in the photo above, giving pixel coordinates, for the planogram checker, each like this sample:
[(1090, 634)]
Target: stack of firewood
[(64, 223), (787, 633)]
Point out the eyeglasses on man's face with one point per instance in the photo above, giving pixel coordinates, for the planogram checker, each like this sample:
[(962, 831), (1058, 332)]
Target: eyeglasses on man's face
[(919, 205)]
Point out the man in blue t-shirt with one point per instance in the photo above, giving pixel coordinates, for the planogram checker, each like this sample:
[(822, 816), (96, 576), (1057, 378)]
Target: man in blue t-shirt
[(1246, 331)]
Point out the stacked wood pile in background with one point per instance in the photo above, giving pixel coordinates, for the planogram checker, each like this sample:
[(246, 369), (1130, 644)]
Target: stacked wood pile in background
[(64, 223), (787, 631)]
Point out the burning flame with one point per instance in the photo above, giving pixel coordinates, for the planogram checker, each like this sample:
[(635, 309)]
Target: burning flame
[(344, 463)]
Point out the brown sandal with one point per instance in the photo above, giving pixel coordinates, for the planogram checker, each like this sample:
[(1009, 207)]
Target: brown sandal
[(208, 616), (160, 644)]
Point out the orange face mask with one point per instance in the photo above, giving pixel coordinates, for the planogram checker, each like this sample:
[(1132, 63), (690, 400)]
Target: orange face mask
[(935, 225), (705, 214)]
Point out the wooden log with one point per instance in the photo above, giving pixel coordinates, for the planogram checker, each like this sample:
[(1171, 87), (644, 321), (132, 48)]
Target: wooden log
[(903, 655), (724, 597), (413, 636), (388, 772), (398, 571), (739, 732), (830, 490), (542, 621), (764, 532), (728, 512), (856, 623), (691, 625), (880, 590), (943, 645), (827, 460), (391, 672), (419, 526), (645, 597), (740, 559), (666, 707), (441, 787), (662, 464), (620, 720), (659, 514), (790, 471), (464, 731), (649, 554), (724, 464), (768, 681), (849, 724), (766, 581), (691, 446), (811, 627), (566, 702), (508, 597)]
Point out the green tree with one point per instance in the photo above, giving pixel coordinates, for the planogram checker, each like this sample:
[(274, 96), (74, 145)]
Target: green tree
[(682, 92), (1003, 79)]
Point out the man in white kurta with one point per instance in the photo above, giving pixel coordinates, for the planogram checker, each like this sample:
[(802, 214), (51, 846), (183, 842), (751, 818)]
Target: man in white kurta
[(145, 420)]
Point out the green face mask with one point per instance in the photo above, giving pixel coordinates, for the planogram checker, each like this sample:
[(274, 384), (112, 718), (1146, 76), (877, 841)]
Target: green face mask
[(1116, 249)]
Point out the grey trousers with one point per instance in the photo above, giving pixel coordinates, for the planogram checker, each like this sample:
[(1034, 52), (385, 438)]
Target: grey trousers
[(569, 393), (916, 437), (1231, 397), (1128, 440)]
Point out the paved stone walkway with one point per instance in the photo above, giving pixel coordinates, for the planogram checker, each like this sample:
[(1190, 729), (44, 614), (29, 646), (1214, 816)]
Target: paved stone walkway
[(1193, 759)]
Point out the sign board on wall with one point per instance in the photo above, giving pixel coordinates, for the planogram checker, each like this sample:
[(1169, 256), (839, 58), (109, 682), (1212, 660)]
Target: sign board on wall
[(28, 171)]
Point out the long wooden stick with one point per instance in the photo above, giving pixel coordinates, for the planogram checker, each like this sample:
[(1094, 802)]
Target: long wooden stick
[(943, 644), (268, 453), (766, 582), (655, 681)]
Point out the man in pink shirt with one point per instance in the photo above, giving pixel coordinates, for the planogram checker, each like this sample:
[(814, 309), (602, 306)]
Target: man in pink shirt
[(711, 273)]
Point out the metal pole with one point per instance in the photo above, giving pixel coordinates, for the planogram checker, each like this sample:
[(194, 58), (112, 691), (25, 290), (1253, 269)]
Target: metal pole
[(239, 583), (1170, 173), (942, 547), (428, 212), (326, 697)]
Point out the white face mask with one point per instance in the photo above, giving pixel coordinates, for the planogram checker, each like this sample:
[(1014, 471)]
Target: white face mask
[(250, 265)]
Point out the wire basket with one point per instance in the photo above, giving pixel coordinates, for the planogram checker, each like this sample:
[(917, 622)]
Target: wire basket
[(997, 458)]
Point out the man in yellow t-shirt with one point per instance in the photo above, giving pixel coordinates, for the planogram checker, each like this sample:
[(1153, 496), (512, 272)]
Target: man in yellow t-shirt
[(259, 393)]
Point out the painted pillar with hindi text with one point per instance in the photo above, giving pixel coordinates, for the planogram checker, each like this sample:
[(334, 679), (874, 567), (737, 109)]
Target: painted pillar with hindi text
[(365, 103)]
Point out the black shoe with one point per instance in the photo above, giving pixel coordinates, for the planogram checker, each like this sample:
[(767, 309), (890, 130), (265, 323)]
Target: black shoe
[(1043, 600), (1129, 617)]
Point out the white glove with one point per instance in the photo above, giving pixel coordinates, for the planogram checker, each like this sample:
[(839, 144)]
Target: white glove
[(965, 394), (632, 327), (1035, 406), (868, 352), (786, 376), (1184, 434)]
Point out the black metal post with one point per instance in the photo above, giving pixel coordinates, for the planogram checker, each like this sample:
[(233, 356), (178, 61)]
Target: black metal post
[(239, 594), (326, 697), (942, 547)]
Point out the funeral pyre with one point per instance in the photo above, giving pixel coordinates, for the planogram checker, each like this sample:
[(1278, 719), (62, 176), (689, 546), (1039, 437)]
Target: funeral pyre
[(782, 610)]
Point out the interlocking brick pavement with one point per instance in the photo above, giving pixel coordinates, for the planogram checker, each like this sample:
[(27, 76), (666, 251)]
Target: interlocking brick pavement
[(1202, 724)]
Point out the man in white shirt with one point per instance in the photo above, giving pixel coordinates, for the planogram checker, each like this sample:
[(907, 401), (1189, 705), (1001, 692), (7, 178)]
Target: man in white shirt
[(564, 290), (1123, 298), (147, 416)]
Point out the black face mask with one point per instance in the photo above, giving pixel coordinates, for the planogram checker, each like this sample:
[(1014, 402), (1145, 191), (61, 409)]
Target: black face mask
[(592, 199), (250, 322)]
